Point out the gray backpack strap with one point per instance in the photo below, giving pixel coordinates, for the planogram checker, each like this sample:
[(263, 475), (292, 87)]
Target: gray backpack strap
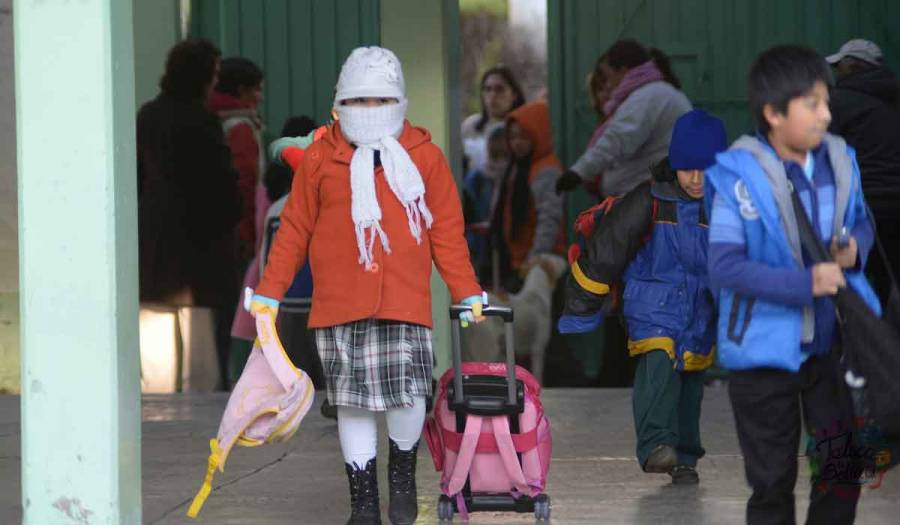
[(843, 178)]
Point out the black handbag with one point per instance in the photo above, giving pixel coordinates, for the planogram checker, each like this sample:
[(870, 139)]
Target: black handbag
[(870, 347)]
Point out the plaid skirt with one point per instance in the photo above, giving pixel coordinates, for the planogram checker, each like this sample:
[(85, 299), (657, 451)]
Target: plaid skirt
[(375, 364)]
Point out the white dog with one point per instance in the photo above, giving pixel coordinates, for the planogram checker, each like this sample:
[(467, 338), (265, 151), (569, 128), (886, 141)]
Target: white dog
[(532, 325)]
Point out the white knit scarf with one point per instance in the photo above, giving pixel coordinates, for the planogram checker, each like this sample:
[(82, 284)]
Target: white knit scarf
[(377, 128)]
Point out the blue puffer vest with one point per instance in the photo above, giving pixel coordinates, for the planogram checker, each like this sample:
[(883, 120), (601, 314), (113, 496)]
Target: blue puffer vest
[(754, 333)]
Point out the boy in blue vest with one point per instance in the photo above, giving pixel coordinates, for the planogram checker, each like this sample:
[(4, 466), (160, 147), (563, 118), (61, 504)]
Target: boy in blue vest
[(776, 331), (655, 241)]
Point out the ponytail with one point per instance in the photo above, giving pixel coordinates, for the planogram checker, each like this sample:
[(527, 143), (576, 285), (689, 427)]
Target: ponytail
[(665, 66)]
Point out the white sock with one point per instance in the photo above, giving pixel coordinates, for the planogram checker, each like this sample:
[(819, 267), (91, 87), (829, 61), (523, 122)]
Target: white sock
[(405, 424), (358, 432)]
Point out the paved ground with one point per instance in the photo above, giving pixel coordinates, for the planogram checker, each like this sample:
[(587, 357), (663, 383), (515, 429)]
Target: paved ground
[(593, 479)]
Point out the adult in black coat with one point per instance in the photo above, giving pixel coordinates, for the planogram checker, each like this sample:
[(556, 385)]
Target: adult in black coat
[(188, 198), (865, 109)]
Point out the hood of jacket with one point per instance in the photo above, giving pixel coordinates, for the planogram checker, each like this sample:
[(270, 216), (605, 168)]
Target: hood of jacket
[(878, 82)]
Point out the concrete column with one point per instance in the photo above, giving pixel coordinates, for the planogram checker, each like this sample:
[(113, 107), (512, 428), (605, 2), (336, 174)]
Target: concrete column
[(78, 262), (9, 278), (425, 36)]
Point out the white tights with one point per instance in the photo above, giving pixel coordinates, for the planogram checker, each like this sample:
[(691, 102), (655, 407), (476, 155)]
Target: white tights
[(358, 430)]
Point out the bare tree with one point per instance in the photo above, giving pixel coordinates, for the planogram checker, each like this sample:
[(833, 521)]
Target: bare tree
[(485, 41)]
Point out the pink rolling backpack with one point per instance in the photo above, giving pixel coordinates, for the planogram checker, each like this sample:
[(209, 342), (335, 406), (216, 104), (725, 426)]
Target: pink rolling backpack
[(489, 436)]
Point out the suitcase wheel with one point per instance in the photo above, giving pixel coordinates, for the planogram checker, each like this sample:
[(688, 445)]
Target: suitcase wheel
[(445, 509), (542, 507)]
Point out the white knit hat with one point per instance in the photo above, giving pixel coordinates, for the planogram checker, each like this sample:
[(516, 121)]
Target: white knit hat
[(370, 72)]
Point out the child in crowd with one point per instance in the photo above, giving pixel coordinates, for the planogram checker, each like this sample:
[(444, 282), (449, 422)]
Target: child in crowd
[(527, 215), (479, 188), (655, 240), (777, 328), (276, 182), (373, 204)]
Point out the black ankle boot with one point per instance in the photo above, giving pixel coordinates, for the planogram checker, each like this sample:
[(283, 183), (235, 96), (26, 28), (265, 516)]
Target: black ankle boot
[(364, 494), (403, 508)]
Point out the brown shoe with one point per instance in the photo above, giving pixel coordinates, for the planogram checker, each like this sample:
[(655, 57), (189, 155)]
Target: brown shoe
[(662, 460), (684, 475)]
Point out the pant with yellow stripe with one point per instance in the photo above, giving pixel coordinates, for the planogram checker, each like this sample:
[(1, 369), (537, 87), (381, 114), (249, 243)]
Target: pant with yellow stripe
[(666, 405)]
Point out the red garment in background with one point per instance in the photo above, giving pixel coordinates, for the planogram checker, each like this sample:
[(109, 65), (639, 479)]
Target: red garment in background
[(243, 129)]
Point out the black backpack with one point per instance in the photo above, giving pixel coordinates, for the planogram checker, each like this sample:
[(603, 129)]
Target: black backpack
[(869, 353)]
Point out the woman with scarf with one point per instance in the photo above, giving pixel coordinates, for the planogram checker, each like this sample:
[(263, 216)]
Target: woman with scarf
[(373, 205), (642, 108)]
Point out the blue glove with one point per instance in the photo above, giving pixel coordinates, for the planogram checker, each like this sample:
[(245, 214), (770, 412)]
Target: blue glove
[(477, 302), (255, 303), (577, 324)]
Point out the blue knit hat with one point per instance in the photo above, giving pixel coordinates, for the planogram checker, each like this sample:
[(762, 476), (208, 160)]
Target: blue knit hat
[(696, 138)]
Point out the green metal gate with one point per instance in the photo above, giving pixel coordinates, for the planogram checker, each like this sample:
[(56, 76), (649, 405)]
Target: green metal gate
[(299, 44)]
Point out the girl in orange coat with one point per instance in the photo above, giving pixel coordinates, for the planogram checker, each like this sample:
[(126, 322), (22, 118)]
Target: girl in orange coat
[(527, 218), (373, 204)]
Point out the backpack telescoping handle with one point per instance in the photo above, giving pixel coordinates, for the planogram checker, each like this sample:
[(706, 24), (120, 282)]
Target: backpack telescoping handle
[(502, 312)]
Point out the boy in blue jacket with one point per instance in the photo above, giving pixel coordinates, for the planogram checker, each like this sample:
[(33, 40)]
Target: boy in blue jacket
[(776, 330), (655, 241)]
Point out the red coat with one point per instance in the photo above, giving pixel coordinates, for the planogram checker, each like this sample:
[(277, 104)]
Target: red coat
[(316, 222), (242, 129)]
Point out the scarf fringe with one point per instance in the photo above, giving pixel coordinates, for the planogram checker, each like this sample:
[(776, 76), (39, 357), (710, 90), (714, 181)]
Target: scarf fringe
[(425, 212), (416, 212), (365, 242)]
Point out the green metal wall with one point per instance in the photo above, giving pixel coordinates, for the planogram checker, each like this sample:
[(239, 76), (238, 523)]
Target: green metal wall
[(299, 44), (711, 42)]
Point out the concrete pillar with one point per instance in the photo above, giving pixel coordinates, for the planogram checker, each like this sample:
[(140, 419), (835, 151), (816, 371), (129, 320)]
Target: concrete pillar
[(78, 262), (425, 36), (9, 278), (157, 31)]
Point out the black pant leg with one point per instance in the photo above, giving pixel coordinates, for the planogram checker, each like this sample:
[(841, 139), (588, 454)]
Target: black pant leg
[(828, 414), (766, 407), (223, 316)]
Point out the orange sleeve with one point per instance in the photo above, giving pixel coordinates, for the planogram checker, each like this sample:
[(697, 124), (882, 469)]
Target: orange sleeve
[(448, 243), (245, 156), (289, 248)]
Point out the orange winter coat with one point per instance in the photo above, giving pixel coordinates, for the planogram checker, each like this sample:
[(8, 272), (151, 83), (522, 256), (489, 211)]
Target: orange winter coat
[(316, 223), (534, 118)]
